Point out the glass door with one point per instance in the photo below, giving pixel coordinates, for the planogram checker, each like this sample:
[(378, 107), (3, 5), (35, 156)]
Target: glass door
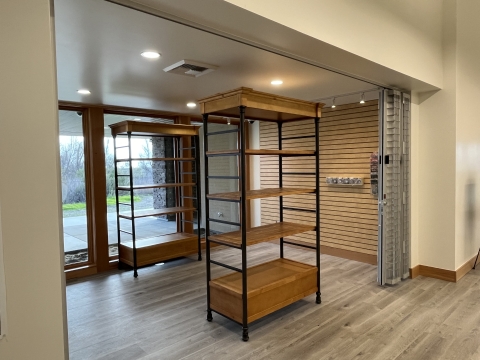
[(77, 245)]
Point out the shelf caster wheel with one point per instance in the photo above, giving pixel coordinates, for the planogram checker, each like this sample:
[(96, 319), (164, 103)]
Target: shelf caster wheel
[(245, 334), (319, 298), (209, 316), (135, 274), (199, 257)]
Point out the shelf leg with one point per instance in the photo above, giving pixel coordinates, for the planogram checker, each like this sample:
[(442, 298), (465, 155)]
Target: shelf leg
[(135, 273), (245, 333), (196, 140), (280, 180), (317, 205), (207, 211)]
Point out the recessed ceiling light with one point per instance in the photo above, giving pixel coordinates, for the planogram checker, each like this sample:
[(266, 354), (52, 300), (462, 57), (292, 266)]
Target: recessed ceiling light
[(150, 54), (276, 82), (191, 105), (84, 92)]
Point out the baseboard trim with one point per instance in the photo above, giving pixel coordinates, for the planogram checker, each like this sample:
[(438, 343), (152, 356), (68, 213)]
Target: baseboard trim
[(437, 273), (414, 272), (443, 274), (351, 255), (345, 254), (465, 268)]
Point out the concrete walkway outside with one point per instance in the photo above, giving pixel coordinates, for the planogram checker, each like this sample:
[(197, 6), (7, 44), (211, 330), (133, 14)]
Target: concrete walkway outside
[(75, 230)]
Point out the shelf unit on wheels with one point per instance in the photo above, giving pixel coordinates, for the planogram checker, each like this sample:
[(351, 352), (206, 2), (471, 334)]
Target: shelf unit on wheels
[(139, 252), (253, 292)]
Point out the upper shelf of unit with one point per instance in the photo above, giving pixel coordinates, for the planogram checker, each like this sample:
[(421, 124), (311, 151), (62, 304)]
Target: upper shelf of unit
[(259, 106), (151, 128), (156, 159), (262, 152), (260, 193)]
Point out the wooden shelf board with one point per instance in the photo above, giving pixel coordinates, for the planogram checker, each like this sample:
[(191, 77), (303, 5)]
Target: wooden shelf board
[(157, 159), (270, 286), (261, 193), (259, 106), (152, 129), (155, 212), (161, 239), (262, 233), (154, 186), (156, 249), (263, 277), (264, 152)]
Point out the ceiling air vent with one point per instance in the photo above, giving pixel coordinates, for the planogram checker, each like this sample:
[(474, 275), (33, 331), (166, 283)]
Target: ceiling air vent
[(190, 68)]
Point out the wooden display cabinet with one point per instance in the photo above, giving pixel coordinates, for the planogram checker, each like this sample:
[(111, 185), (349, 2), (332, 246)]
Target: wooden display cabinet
[(253, 292), (150, 250)]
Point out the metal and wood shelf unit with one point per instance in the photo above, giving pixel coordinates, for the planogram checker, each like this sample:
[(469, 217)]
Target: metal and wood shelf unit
[(150, 250), (251, 293)]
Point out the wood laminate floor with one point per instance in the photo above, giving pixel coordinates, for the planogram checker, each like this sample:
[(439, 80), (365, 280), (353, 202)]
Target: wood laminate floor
[(161, 315)]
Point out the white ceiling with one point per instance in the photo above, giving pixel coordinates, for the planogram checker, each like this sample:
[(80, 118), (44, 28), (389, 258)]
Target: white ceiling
[(99, 46)]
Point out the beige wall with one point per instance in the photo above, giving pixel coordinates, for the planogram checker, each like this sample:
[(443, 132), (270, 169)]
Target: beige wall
[(436, 162), (414, 181), (402, 27), (467, 218), (29, 178)]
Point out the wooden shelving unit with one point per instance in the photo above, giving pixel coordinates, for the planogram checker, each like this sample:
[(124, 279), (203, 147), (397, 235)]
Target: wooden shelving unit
[(253, 292), (139, 252)]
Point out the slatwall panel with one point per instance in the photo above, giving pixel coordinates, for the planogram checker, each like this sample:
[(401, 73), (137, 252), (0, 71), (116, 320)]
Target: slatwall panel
[(348, 136)]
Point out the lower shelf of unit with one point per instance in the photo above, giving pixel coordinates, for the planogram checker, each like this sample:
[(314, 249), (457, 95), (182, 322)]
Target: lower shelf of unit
[(159, 248), (271, 286)]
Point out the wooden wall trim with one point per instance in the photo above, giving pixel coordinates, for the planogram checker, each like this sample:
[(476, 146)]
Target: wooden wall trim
[(95, 177), (80, 272), (347, 254), (414, 272), (465, 268), (443, 274), (130, 111)]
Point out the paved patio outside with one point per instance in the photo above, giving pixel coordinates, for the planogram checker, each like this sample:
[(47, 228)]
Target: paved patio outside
[(75, 230)]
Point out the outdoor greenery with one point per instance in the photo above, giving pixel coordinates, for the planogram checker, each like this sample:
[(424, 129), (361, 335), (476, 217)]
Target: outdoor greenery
[(110, 201), (73, 171)]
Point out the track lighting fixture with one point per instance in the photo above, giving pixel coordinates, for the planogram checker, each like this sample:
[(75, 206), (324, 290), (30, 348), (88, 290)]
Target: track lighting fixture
[(362, 99)]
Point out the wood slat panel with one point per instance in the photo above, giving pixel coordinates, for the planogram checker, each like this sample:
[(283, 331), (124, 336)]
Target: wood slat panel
[(349, 215)]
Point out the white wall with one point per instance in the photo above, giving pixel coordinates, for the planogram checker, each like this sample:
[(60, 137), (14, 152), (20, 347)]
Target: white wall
[(29, 184), (403, 28)]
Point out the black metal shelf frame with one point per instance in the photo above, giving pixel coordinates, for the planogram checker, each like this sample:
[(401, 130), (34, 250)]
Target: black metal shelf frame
[(243, 210), (179, 191)]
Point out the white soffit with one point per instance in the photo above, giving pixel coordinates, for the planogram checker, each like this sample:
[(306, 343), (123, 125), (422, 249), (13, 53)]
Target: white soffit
[(230, 19), (99, 46)]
